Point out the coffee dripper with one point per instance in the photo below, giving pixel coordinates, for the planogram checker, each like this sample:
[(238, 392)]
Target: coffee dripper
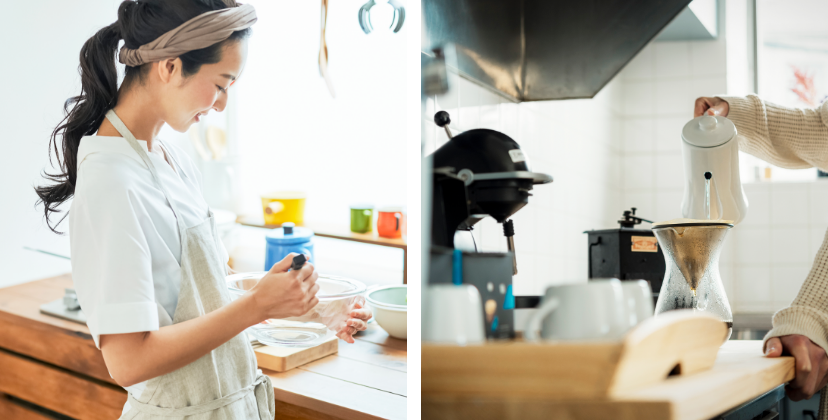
[(692, 279)]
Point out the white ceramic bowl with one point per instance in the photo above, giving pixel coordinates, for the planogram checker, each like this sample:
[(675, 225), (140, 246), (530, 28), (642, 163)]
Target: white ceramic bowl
[(388, 303)]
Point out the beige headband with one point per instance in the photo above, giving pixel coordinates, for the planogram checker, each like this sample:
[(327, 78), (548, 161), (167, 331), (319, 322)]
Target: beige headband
[(199, 32)]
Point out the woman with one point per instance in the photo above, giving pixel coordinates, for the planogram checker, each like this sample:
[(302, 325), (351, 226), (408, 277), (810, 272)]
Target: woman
[(791, 138), (147, 263)]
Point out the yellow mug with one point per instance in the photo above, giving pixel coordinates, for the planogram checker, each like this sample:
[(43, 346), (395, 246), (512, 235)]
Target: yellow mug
[(284, 206)]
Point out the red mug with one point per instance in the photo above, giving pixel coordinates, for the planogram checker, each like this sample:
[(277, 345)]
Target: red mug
[(390, 222)]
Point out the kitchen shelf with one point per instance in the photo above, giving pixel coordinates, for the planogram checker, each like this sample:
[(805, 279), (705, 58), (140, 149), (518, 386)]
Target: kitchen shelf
[(329, 230)]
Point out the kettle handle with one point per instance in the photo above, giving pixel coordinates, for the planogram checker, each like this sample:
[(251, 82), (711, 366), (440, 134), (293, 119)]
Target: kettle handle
[(531, 332)]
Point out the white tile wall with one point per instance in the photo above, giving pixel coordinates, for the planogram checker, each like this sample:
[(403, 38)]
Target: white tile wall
[(784, 228), (668, 134), (786, 280), (755, 285), (672, 59)]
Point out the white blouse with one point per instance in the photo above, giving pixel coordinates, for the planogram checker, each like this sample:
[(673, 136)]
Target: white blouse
[(123, 235)]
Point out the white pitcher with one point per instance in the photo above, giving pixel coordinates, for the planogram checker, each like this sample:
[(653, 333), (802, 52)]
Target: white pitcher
[(711, 169)]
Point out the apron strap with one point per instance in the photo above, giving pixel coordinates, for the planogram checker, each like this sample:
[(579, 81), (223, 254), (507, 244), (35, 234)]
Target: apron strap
[(121, 127)]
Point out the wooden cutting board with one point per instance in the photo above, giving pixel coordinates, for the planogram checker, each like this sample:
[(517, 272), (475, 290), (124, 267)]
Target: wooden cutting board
[(281, 359), (674, 343)]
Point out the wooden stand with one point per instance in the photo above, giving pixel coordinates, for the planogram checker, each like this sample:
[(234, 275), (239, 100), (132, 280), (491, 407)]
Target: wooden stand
[(679, 342), (673, 367), (281, 359)]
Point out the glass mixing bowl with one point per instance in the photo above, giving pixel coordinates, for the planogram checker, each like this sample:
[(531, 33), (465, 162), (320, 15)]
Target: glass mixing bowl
[(336, 295)]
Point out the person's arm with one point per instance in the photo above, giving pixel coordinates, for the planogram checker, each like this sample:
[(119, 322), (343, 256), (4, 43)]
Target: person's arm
[(808, 313), (794, 138), (136, 357), (801, 330)]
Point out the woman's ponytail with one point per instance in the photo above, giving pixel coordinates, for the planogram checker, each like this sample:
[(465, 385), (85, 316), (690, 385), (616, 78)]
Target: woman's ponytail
[(99, 93)]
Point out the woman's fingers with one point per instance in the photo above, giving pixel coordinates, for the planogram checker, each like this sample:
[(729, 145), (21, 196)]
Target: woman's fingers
[(284, 265), (346, 334), (773, 348), (702, 105), (799, 350), (361, 314), (819, 363), (710, 106), (794, 394), (812, 379), (357, 324)]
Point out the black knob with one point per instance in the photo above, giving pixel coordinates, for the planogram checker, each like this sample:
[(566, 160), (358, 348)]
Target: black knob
[(441, 118), (298, 262), (708, 175), (508, 228)]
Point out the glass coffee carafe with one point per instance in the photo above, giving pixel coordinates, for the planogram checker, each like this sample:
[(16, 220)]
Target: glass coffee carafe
[(692, 279)]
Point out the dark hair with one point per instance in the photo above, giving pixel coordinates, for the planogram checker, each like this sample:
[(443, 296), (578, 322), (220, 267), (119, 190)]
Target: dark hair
[(139, 22)]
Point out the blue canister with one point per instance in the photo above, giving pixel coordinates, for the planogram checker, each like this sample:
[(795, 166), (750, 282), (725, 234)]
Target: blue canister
[(286, 239)]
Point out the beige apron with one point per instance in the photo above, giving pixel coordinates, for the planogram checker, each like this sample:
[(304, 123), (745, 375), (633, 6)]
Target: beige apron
[(225, 383)]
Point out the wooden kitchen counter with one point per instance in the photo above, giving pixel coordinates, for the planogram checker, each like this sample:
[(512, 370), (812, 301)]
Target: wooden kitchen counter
[(740, 374), (52, 363)]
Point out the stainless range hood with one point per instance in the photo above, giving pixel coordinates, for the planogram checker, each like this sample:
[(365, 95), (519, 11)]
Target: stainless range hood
[(536, 50)]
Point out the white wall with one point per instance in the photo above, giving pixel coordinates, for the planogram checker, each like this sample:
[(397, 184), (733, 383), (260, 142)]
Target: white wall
[(293, 135), (40, 70), (578, 143), (773, 249)]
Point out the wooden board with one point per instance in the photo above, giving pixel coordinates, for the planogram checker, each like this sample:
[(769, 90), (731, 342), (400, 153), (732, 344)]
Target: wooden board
[(679, 341), (740, 374), (281, 359)]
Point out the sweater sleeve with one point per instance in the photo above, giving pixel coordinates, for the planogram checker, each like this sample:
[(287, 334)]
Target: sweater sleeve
[(808, 313), (793, 138), (790, 138)]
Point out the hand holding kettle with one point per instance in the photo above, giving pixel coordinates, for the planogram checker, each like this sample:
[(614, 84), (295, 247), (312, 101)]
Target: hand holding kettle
[(711, 106)]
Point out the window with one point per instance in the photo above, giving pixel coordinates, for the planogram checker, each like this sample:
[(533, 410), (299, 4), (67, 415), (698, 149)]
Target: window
[(792, 68)]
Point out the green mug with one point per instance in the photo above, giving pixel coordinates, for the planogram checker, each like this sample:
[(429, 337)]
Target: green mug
[(362, 218)]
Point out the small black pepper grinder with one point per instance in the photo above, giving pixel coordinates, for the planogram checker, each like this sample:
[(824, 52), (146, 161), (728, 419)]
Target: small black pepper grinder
[(298, 262)]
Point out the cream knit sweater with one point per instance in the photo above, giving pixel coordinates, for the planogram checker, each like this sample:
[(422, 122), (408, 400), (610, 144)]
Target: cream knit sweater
[(791, 138)]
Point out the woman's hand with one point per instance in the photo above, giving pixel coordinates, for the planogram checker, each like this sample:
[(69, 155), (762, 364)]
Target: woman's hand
[(357, 321), (811, 364), (282, 293), (711, 106)]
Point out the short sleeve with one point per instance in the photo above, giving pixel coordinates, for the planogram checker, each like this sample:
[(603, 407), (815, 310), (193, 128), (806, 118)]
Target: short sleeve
[(111, 260)]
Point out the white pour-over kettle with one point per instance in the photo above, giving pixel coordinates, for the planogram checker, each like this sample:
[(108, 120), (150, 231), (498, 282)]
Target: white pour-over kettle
[(713, 189)]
